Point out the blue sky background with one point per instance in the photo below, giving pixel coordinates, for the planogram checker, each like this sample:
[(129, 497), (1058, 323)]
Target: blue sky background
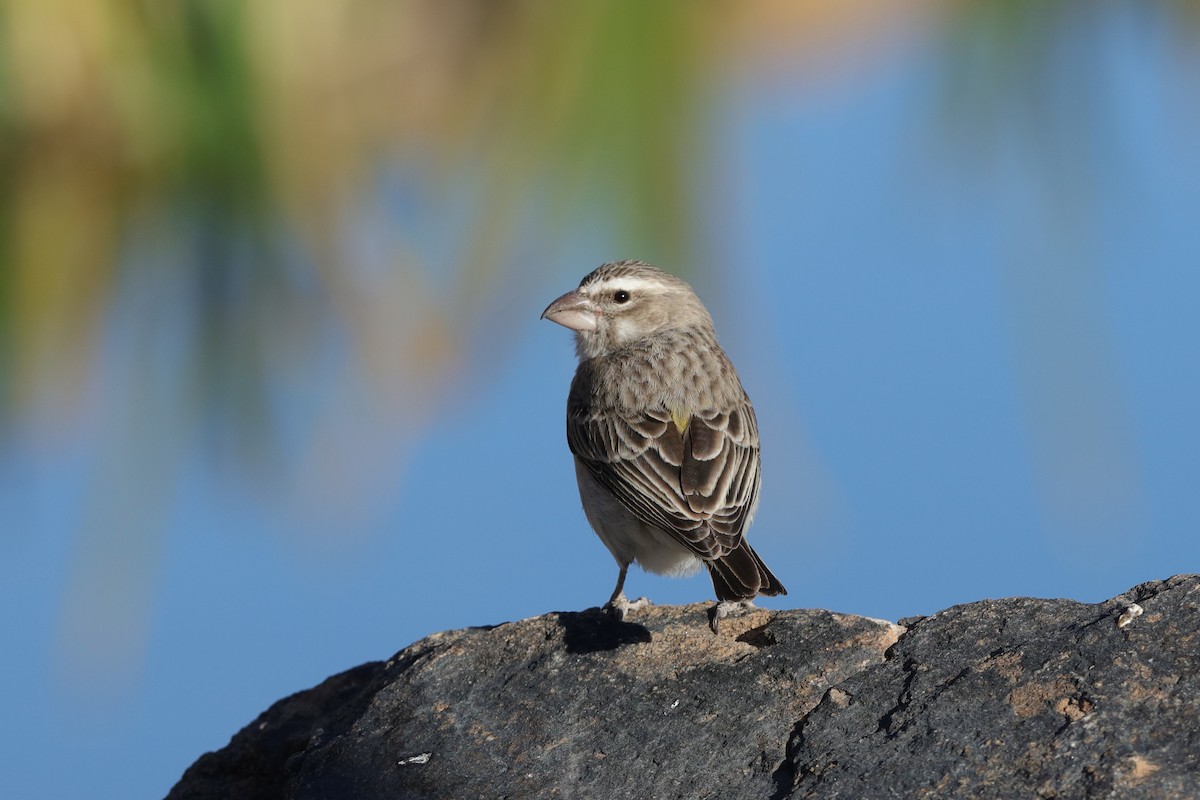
[(973, 355)]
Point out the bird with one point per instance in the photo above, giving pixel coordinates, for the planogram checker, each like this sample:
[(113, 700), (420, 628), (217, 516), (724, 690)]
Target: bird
[(664, 437)]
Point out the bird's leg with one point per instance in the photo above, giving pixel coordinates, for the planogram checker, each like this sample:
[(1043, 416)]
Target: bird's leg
[(618, 606), (726, 608)]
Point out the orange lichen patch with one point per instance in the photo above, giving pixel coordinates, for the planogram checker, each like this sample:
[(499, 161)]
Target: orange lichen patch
[(480, 734), (1144, 684), (1141, 767), (1007, 665), (1074, 708), (1035, 697), (839, 697), (883, 637), (688, 642)]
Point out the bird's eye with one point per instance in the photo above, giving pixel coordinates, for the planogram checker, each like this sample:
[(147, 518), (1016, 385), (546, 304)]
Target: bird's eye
[(620, 296)]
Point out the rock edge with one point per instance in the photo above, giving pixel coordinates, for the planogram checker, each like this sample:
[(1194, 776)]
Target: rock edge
[(1000, 698)]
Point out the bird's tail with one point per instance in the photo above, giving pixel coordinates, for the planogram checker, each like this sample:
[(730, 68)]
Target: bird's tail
[(741, 575)]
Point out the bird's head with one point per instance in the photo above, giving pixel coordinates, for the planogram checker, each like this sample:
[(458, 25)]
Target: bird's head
[(622, 302)]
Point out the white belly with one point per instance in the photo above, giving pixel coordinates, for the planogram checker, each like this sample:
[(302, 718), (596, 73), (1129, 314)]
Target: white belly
[(627, 537)]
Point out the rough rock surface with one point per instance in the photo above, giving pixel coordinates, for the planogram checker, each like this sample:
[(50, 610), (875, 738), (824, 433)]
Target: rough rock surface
[(1000, 698), (1020, 698)]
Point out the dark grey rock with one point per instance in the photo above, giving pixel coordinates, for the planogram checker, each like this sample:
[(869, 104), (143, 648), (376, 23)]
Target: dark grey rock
[(1001, 698), (1020, 698), (570, 705)]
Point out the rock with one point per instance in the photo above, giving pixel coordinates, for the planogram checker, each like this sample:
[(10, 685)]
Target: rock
[(1020, 698), (1000, 698), (574, 704)]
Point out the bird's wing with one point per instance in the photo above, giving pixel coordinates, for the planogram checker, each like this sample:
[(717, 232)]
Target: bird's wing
[(692, 474)]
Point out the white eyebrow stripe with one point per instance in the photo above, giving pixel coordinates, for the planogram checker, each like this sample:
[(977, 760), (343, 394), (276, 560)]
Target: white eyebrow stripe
[(628, 283)]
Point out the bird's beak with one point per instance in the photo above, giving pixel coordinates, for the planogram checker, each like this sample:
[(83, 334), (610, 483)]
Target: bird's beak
[(573, 311)]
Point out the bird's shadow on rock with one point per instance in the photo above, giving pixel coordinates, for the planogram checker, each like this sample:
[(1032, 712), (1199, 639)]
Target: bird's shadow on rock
[(594, 630)]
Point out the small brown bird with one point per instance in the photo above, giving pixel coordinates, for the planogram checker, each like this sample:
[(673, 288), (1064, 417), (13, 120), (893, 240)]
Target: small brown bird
[(664, 437)]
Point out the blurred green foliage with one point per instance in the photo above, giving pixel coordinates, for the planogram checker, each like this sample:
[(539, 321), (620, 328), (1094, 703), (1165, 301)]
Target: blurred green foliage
[(247, 132), (226, 153)]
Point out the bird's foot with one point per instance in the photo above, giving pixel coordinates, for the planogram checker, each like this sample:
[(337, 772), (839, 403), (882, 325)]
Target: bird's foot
[(727, 608), (619, 606)]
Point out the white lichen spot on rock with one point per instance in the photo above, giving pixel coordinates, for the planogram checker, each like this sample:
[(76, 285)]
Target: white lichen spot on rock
[(1131, 612), (422, 758)]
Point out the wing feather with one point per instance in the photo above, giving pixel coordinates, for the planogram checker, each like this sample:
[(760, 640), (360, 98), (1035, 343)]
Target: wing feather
[(699, 485)]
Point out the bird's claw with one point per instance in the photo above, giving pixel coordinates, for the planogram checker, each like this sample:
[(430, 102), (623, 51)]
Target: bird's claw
[(619, 607), (724, 609)]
